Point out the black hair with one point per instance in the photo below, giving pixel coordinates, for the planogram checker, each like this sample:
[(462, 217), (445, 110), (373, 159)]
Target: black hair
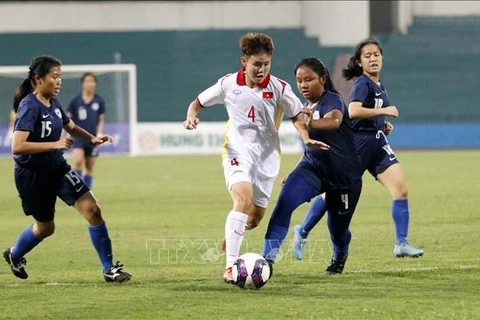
[(353, 70), (40, 66), (88, 74), (319, 68)]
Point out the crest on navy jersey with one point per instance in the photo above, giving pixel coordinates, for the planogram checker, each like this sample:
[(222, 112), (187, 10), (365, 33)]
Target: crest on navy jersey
[(58, 113), (95, 106)]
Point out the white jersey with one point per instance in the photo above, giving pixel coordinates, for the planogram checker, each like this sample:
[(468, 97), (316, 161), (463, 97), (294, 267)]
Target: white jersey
[(254, 115)]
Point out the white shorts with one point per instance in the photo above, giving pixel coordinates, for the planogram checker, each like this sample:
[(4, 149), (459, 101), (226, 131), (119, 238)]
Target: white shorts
[(245, 172)]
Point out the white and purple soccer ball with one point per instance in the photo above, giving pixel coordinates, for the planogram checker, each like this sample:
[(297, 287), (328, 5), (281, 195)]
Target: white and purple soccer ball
[(251, 271)]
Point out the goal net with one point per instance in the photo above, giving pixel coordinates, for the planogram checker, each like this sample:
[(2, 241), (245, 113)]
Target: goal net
[(116, 84)]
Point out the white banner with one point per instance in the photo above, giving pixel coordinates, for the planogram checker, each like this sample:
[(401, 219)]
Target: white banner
[(171, 138)]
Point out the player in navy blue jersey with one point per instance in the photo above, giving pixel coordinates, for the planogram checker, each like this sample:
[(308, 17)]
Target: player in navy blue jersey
[(42, 173), (335, 172), (87, 110), (369, 105)]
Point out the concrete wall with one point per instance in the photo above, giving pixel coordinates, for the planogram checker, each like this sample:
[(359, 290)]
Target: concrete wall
[(445, 8), (328, 20), (334, 23)]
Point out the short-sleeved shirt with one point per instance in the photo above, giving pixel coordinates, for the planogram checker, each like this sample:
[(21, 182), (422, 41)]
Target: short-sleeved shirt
[(45, 124), (339, 167), (254, 115), (372, 96), (87, 115)]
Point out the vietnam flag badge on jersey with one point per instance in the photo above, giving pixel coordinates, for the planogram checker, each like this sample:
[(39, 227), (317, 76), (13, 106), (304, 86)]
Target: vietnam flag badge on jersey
[(267, 95)]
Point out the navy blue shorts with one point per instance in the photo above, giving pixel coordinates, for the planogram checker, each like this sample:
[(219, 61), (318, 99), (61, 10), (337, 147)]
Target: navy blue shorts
[(39, 189), (323, 179), (90, 149), (374, 151)]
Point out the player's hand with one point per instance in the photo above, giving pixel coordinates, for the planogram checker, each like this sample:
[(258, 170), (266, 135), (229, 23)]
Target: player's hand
[(388, 128), (316, 144), (191, 123), (391, 111), (308, 115), (284, 179), (101, 138), (64, 143)]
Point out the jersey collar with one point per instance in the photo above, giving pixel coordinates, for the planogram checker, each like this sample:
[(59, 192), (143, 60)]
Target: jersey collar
[(241, 79)]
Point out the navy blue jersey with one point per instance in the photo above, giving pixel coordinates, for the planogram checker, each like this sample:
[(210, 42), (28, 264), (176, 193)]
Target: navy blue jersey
[(45, 125), (372, 96), (86, 115), (339, 167)]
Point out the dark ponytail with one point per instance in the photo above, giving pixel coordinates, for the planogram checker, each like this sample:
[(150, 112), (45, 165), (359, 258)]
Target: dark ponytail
[(319, 68), (40, 67), (22, 91), (329, 83), (353, 70)]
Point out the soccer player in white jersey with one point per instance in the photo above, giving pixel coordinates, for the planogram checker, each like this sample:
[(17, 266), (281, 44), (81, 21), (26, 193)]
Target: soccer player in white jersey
[(255, 103)]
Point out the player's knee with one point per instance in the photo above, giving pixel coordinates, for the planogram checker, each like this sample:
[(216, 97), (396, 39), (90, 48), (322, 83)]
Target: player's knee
[(254, 220), (77, 165), (401, 192), (44, 230), (252, 223), (93, 213), (243, 203)]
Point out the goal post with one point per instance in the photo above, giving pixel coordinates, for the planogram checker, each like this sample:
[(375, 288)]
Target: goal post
[(116, 84)]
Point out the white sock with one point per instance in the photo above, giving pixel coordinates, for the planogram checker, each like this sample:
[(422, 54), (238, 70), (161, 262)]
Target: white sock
[(234, 231)]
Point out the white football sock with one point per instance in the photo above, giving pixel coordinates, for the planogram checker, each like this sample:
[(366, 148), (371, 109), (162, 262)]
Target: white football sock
[(234, 231)]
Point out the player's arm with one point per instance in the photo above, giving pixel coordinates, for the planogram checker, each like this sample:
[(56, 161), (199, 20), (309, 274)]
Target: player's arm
[(330, 121), (11, 125), (64, 132), (356, 110), (192, 112), (11, 122), (388, 128), (20, 145), (301, 127), (209, 97), (292, 107), (101, 124), (83, 134)]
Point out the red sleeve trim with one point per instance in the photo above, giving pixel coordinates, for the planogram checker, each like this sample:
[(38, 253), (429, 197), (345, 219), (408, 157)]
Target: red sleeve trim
[(284, 84), (201, 105), (296, 115)]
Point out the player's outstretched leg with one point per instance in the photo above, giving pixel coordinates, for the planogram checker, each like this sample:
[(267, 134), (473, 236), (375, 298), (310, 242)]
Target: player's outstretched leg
[(98, 231), (103, 245)]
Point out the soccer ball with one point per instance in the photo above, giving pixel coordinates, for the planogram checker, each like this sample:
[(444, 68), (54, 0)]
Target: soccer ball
[(251, 271)]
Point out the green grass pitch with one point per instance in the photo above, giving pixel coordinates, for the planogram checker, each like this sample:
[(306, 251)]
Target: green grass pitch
[(166, 219)]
